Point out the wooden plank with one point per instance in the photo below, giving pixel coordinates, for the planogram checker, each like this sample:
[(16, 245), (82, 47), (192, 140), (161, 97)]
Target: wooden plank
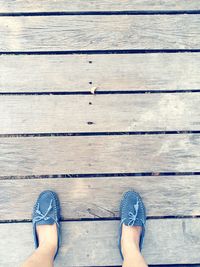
[(99, 154), (100, 197), (95, 243), (95, 5), (69, 33), (25, 73), (85, 113)]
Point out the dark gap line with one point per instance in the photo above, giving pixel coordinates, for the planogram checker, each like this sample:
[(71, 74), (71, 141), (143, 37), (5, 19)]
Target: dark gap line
[(114, 92), (157, 265), (97, 175), (106, 13), (174, 265), (109, 51), (103, 219), (99, 133)]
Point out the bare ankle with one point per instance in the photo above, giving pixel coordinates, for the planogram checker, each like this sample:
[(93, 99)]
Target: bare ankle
[(47, 236), (130, 240)]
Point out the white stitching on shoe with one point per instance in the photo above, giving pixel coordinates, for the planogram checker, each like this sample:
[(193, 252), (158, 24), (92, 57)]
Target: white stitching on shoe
[(131, 216), (42, 216)]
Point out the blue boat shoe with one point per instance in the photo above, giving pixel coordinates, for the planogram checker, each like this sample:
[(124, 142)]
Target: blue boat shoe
[(132, 213), (47, 212)]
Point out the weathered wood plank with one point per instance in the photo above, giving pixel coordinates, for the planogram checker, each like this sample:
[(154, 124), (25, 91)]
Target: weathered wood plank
[(63, 33), (99, 154), (95, 5), (25, 73), (95, 243), (100, 197), (85, 113)]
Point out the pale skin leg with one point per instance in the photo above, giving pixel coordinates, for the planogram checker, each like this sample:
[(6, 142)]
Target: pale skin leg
[(130, 247), (47, 234), (44, 254)]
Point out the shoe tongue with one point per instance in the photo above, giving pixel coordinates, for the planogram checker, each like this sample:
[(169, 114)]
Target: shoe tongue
[(43, 222)]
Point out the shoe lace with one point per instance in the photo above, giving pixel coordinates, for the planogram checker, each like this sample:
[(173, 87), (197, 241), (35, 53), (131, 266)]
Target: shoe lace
[(132, 216), (45, 216)]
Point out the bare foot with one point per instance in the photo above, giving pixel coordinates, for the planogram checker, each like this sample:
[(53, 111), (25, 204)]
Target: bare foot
[(48, 237), (130, 238)]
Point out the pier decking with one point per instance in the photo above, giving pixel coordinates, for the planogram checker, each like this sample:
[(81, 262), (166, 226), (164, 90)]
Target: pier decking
[(96, 98)]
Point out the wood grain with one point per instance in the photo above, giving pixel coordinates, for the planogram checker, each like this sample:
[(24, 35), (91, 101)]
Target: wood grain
[(69, 33), (99, 154), (100, 113), (95, 243), (100, 197), (95, 5), (36, 73)]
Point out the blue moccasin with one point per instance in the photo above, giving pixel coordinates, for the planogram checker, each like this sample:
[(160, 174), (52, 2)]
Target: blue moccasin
[(46, 211), (132, 213)]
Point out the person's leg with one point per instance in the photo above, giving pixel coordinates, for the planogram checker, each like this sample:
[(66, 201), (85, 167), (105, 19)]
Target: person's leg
[(46, 230), (44, 254), (130, 247)]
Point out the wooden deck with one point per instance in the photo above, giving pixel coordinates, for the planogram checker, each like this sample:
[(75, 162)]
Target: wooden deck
[(140, 130)]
